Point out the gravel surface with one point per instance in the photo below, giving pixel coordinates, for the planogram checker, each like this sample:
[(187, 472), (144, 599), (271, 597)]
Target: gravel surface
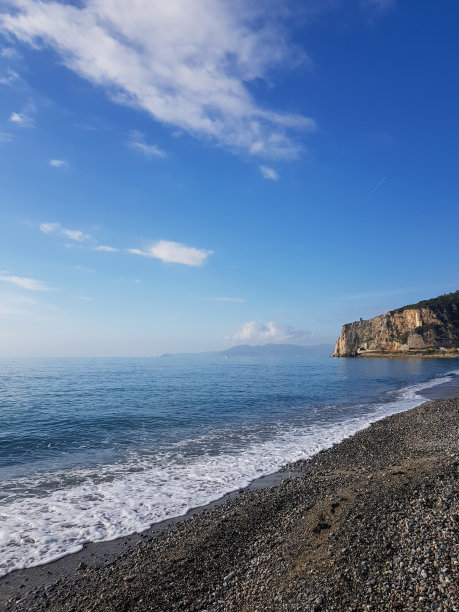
[(371, 524)]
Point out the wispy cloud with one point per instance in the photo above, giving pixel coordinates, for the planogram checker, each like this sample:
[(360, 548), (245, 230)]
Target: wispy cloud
[(137, 142), (378, 5), (58, 163), (105, 248), (84, 269), (174, 252), (189, 69), (10, 306), (269, 173), (21, 120), (15, 304), (226, 299), (262, 333), (56, 228), (76, 235), (149, 150), (31, 284), (49, 228), (9, 52), (10, 78), (86, 298), (5, 137)]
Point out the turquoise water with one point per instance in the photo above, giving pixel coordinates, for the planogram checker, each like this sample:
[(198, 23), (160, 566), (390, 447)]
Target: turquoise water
[(92, 449)]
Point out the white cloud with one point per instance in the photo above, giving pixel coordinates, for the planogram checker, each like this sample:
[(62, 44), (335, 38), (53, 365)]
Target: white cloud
[(58, 163), (49, 228), (269, 173), (31, 284), (174, 252), (226, 299), (56, 228), (21, 120), (86, 298), (271, 332), (76, 235), (189, 69), (138, 143), (105, 248)]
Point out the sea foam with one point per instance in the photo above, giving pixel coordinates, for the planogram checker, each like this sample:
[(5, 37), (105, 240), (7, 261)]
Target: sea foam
[(106, 502)]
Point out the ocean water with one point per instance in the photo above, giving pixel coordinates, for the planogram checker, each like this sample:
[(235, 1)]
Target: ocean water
[(93, 449)]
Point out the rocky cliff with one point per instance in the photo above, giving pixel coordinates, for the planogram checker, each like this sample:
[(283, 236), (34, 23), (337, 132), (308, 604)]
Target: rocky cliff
[(428, 328)]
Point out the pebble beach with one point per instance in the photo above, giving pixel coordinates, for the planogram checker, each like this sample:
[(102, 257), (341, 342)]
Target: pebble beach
[(370, 524)]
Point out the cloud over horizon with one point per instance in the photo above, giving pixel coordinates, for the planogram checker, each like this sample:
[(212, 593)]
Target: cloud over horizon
[(189, 69), (271, 332)]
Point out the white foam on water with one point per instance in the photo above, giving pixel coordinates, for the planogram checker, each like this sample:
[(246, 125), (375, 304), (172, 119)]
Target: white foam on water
[(121, 499)]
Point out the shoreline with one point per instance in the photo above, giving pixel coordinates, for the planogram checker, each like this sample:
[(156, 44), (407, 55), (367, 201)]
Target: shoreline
[(52, 580), (93, 554)]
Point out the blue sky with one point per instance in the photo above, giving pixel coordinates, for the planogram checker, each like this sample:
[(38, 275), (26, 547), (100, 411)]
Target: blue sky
[(188, 176)]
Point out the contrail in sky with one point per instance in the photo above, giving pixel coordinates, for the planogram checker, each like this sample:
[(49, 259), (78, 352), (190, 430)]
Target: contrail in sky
[(379, 185)]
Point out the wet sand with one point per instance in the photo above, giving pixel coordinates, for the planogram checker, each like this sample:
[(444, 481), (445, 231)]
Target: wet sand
[(336, 532)]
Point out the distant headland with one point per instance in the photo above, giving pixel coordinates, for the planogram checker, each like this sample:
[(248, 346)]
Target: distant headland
[(266, 350), (429, 328)]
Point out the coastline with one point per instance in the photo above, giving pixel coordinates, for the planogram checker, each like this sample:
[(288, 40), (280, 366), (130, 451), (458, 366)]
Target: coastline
[(400, 355), (231, 532)]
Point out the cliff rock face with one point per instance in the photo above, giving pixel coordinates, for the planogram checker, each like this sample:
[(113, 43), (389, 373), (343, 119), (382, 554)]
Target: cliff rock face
[(430, 327)]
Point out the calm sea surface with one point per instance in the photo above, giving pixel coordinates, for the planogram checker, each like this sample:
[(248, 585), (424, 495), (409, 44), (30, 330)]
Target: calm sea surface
[(92, 449)]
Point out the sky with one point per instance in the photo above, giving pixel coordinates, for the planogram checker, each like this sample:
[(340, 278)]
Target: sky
[(186, 176)]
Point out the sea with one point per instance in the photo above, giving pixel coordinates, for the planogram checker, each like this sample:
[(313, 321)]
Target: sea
[(94, 449)]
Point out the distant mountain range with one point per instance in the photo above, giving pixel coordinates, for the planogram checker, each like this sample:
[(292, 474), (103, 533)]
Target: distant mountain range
[(281, 350), (269, 350)]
